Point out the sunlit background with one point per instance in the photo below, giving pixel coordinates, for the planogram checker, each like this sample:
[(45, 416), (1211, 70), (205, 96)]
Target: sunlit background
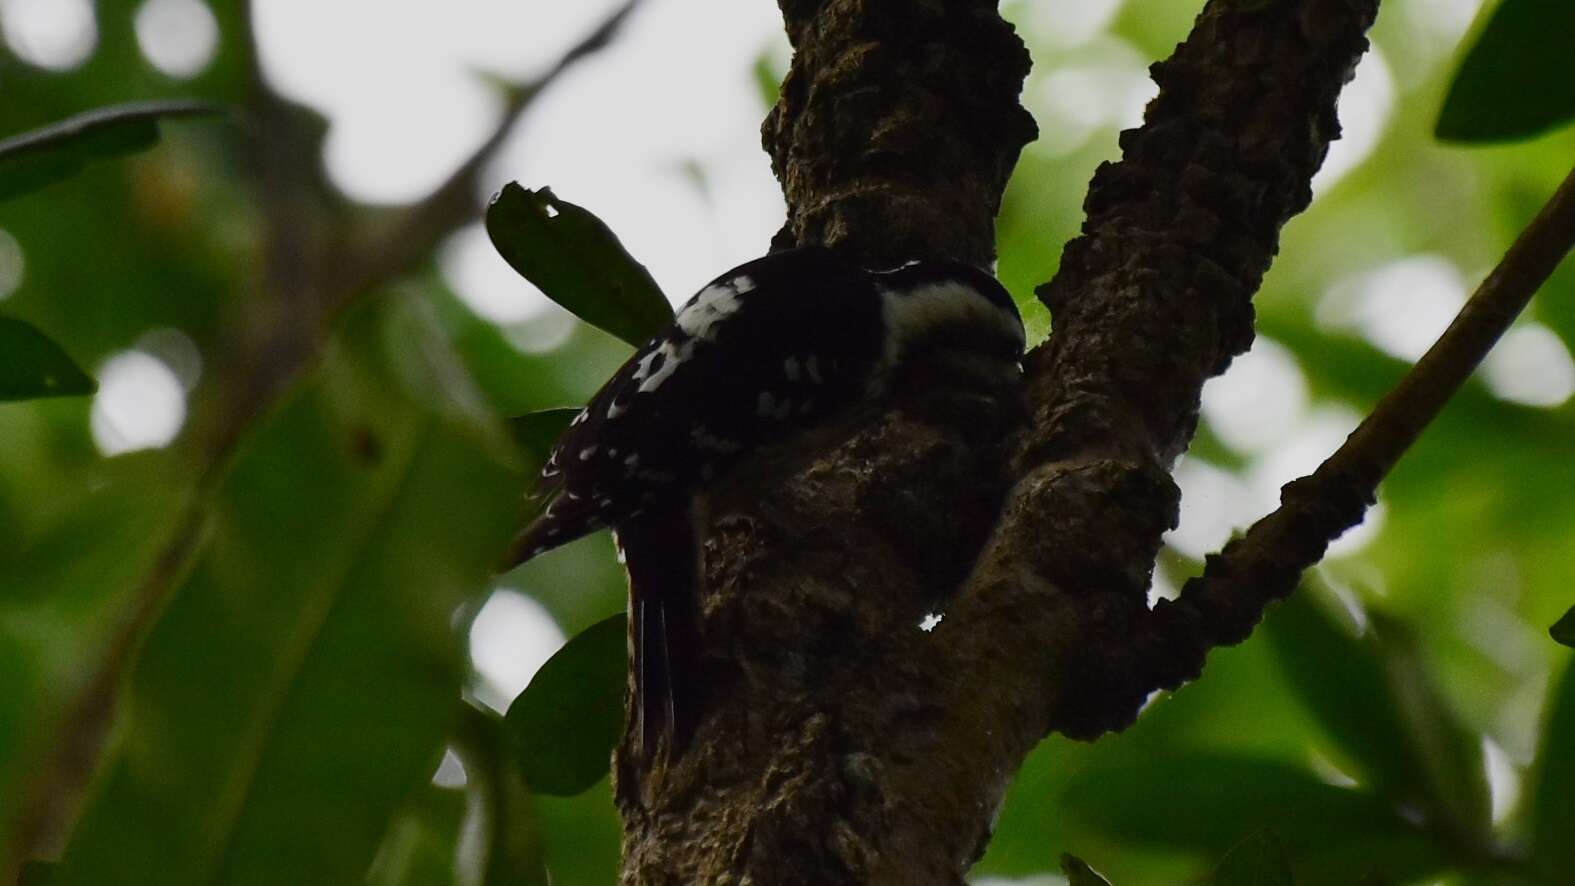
[(659, 135)]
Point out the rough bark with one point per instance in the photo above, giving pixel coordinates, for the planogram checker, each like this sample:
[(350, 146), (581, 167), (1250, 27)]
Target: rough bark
[(844, 744)]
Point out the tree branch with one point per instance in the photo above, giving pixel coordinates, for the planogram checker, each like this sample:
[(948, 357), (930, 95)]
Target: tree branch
[(1221, 607)]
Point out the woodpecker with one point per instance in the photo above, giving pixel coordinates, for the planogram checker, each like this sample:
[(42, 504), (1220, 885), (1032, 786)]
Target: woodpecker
[(764, 351)]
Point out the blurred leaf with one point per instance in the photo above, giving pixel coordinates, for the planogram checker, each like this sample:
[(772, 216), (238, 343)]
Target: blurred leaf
[(1552, 801), (499, 838), (567, 721), (536, 432), (1208, 802), (1563, 630), (418, 849), (1515, 81), (37, 873), (44, 156), (577, 262), (300, 683), (1258, 860), (768, 78), (1078, 873), (33, 366), (1374, 699)]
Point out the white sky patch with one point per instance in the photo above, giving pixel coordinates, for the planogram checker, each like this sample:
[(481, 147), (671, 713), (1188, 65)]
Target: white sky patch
[(1401, 307), (1064, 25), (179, 37), (485, 282), (54, 34), (1530, 365), (1260, 399), (1503, 779), (1103, 85), (450, 772), (687, 97), (672, 106), (13, 265), (511, 638), (544, 334), (140, 404), (1214, 502), (176, 350), (1366, 105)]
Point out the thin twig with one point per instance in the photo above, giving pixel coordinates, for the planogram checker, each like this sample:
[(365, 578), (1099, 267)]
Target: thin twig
[(1221, 607)]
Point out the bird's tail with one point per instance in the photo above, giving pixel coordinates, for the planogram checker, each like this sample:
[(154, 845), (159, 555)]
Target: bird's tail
[(667, 686)]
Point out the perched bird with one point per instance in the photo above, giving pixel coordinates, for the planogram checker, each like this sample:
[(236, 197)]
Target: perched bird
[(762, 352)]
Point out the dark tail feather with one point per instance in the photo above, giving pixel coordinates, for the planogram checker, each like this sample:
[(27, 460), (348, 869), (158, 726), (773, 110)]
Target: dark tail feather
[(664, 629)]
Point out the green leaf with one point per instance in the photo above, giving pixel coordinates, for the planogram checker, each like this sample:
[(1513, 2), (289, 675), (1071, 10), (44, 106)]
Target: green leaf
[(1563, 630), (1078, 873), (1552, 801), (37, 873), (536, 432), (1258, 860), (1376, 702), (418, 849), (1209, 802), (1516, 80), (567, 721), (44, 156), (577, 262), (500, 838), (301, 682), (32, 366)]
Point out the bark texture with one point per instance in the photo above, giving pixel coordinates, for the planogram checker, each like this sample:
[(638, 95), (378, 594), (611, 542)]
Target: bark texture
[(843, 744)]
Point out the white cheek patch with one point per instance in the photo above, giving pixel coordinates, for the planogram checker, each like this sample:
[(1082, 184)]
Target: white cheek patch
[(912, 315), (701, 318)]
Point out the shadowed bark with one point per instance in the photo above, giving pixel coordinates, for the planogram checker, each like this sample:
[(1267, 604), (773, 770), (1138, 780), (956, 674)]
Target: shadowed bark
[(844, 744)]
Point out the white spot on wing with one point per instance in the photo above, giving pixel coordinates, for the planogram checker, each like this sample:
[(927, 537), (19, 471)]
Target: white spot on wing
[(581, 417), (614, 410), (713, 304), (765, 405), (790, 368), (813, 368), (672, 355), (587, 452)]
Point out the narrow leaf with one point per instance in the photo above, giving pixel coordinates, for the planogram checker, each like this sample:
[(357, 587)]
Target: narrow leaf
[(1078, 873), (32, 366), (1207, 803), (1515, 81), (499, 843), (1563, 630), (418, 849), (300, 684), (535, 432), (1375, 701), (1258, 860), (1553, 788), (44, 156), (567, 721), (577, 262)]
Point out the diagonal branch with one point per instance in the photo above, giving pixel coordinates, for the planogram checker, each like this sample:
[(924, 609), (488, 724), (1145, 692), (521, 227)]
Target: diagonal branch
[(1220, 607)]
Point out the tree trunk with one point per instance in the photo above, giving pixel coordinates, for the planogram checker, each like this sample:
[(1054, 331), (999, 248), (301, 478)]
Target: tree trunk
[(842, 743)]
